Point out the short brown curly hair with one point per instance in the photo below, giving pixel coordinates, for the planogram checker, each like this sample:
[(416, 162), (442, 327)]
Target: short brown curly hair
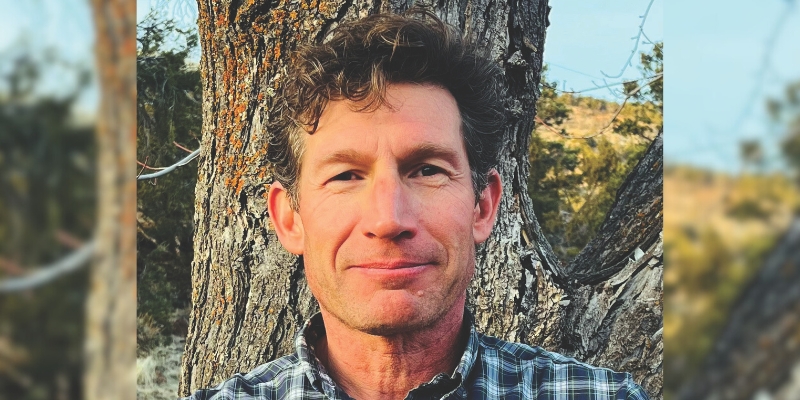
[(359, 61)]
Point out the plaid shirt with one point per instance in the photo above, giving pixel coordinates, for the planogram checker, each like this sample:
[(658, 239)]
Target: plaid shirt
[(489, 369)]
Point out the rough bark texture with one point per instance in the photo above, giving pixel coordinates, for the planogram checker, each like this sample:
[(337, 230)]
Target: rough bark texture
[(758, 353), (249, 295), (614, 317), (110, 353)]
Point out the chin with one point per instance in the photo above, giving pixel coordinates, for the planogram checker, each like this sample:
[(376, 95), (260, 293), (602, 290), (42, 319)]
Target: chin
[(392, 317), (382, 326)]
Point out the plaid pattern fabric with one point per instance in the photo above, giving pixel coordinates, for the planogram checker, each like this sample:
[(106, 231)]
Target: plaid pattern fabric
[(489, 369)]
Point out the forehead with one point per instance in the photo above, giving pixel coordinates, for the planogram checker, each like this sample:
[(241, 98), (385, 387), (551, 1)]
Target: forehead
[(414, 116)]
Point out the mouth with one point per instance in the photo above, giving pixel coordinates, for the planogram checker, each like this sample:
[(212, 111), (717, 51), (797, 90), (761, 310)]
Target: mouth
[(395, 274), (391, 265)]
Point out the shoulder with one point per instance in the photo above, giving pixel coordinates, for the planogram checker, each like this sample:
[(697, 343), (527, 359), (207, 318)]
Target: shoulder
[(545, 374), (278, 379)]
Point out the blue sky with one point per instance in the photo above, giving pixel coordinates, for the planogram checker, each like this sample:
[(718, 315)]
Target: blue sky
[(63, 25), (715, 83), (589, 38)]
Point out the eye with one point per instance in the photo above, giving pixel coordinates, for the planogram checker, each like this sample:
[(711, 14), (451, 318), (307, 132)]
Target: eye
[(430, 170), (345, 176)]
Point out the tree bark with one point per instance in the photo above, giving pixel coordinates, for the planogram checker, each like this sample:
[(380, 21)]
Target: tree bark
[(614, 317), (249, 295), (757, 355), (110, 348)]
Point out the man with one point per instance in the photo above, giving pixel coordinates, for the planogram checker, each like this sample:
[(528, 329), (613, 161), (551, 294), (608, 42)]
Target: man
[(384, 157)]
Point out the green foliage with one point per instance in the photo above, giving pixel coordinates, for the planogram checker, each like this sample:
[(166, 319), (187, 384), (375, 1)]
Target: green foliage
[(46, 169), (573, 187), (553, 173), (551, 108), (748, 209), (647, 103), (787, 112), (711, 258), (604, 170), (47, 192), (169, 112), (573, 183), (653, 64)]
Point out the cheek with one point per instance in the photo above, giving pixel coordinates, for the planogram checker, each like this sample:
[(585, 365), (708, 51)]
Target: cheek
[(451, 225), (327, 225), (454, 214)]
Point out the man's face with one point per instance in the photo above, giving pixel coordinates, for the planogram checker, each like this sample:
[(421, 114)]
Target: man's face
[(387, 213)]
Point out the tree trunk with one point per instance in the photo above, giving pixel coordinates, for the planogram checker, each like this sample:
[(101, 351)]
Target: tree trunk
[(110, 351), (614, 318), (758, 352), (249, 295)]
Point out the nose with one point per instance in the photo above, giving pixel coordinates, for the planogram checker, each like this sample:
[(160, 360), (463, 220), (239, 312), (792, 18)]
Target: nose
[(387, 209)]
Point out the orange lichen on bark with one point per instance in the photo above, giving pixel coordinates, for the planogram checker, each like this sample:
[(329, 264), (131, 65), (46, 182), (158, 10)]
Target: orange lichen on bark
[(277, 52), (259, 29), (325, 7), (278, 16), (242, 70), (239, 109), (239, 187)]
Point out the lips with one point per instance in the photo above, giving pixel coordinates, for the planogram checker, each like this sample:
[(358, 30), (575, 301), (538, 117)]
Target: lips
[(391, 265), (393, 275)]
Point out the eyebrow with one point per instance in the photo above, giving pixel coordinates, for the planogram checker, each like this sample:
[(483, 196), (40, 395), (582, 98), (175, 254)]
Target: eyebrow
[(422, 151), (426, 151), (348, 156)]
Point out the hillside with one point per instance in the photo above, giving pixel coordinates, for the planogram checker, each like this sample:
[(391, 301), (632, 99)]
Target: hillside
[(580, 154), (717, 230), (588, 116)]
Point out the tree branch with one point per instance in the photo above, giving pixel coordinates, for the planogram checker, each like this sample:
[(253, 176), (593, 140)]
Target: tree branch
[(48, 273), (619, 110), (637, 38), (181, 147), (606, 86), (145, 166), (171, 168), (549, 127)]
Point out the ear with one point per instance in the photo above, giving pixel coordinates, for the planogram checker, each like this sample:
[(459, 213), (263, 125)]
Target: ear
[(286, 221), (486, 208)]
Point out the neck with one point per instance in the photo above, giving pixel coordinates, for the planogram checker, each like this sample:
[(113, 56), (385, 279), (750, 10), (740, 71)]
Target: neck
[(388, 367)]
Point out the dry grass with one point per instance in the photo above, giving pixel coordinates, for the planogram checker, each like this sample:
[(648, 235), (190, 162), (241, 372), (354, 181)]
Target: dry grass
[(158, 371), (589, 119)]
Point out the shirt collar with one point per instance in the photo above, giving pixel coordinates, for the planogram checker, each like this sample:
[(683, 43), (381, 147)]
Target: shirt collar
[(314, 329), (470, 352), (304, 344)]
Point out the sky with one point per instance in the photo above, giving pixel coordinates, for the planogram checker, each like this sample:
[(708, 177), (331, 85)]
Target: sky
[(715, 51), (720, 66), (589, 42), (34, 26)]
